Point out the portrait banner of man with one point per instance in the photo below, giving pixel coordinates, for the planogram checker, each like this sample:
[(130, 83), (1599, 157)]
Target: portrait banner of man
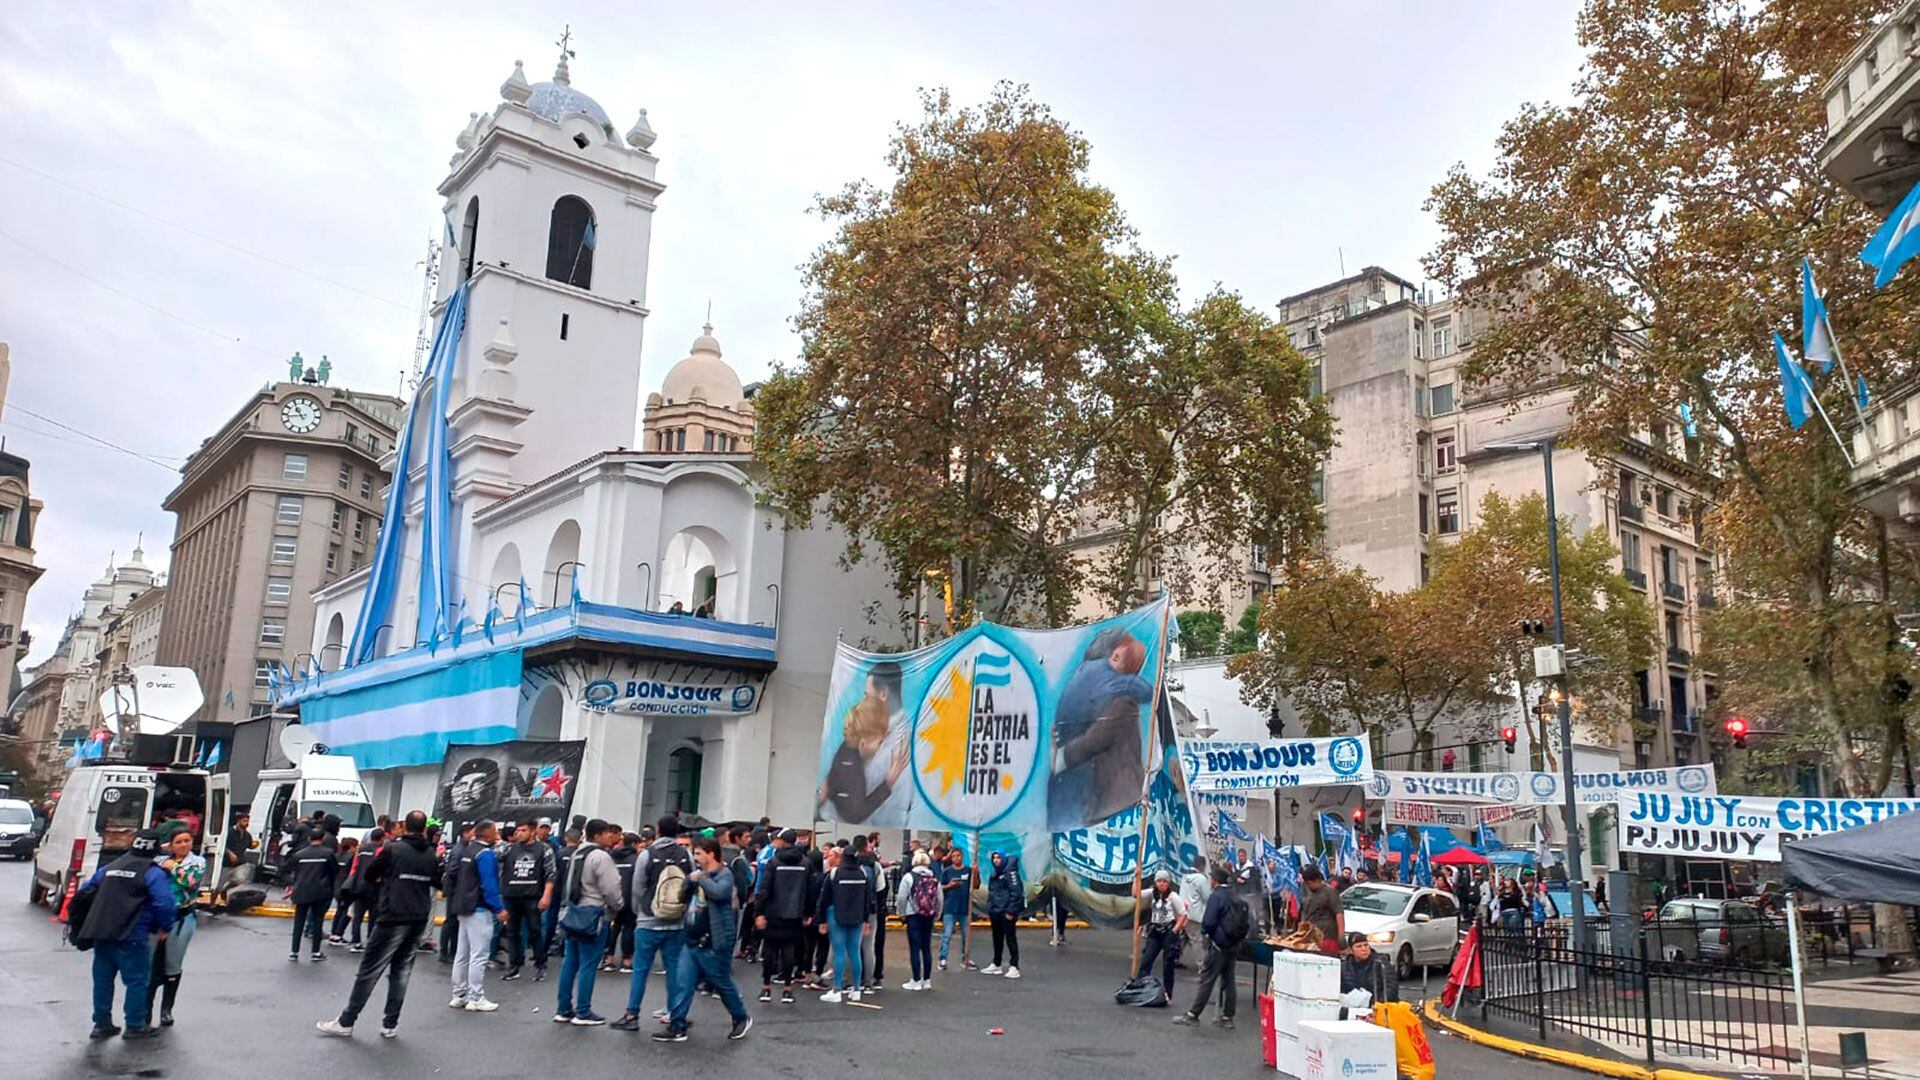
[(508, 781)]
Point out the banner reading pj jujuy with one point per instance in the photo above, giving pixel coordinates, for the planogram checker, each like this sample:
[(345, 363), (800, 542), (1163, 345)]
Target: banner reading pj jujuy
[(1738, 826)]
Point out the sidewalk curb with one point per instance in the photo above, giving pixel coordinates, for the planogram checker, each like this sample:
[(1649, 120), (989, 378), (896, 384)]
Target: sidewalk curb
[(1602, 1066)]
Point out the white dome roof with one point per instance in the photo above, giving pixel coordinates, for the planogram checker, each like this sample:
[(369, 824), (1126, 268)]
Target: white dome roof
[(703, 376), (557, 101)]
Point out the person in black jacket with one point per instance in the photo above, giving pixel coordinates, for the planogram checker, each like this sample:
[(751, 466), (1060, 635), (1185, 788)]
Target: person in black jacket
[(403, 876), (784, 916), (620, 946), (1364, 969), (846, 903), (316, 872), (1222, 948), (1006, 898), (348, 908)]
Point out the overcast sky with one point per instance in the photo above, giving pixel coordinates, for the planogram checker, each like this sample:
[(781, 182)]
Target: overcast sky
[(191, 192)]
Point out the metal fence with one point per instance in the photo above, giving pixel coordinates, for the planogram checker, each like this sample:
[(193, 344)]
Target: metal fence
[(1637, 1003)]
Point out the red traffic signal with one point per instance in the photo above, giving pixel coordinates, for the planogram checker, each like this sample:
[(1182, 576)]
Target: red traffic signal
[(1509, 736), (1738, 730), (1360, 816)]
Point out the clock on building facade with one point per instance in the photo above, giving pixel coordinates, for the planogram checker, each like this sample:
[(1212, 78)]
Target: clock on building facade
[(301, 414)]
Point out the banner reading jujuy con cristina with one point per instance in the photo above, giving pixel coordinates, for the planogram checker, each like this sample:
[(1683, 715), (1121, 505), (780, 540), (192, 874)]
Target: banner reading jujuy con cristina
[(1527, 788), (1036, 741), (1740, 827)]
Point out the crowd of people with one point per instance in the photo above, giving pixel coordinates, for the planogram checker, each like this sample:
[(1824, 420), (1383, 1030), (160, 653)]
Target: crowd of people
[(813, 916)]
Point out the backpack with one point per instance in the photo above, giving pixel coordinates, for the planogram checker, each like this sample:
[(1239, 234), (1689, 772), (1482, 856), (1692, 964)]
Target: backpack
[(78, 908), (926, 895), (1236, 923), (667, 885)]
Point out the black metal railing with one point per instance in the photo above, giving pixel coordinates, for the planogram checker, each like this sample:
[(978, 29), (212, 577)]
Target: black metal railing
[(1630, 511), (1637, 1003), (1635, 578), (1673, 590), (1708, 599), (1679, 656)]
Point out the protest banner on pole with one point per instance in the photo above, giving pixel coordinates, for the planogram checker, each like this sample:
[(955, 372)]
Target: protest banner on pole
[(1739, 827)]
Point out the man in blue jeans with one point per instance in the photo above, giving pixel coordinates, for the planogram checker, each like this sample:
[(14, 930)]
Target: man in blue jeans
[(711, 924), (956, 890), (132, 908), (660, 924), (593, 896)]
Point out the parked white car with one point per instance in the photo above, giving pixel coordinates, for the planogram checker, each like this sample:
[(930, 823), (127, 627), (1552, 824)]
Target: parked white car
[(1408, 924)]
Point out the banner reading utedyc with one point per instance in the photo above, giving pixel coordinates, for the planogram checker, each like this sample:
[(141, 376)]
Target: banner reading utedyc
[(509, 781)]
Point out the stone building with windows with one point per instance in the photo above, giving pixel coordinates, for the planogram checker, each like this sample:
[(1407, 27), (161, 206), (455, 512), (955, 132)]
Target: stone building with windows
[(701, 407), (281, 500), (1419, 448)]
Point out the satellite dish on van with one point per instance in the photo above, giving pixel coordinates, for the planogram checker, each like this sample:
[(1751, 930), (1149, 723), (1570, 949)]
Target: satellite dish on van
[(116, 705), (296, 742), (167, 697)]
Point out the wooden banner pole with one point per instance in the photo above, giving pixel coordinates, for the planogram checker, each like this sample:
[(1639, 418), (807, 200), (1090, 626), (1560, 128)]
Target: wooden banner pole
[(1146, 780)]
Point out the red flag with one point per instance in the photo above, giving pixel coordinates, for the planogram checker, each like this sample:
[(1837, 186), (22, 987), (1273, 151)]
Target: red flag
[(1465, 972)]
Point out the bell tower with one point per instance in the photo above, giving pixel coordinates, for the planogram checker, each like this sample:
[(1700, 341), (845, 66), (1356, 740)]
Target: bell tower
[(549, 217)]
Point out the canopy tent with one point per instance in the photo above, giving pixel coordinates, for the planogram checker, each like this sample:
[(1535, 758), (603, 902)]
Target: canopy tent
[(1511, 857), (1460, 856), (1878, 863)]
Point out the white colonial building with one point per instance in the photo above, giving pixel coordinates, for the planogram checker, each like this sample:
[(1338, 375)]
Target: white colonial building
[(525, 532)]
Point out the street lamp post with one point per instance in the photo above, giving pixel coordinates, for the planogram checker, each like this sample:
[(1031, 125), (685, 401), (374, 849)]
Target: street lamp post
[(1576, 874)]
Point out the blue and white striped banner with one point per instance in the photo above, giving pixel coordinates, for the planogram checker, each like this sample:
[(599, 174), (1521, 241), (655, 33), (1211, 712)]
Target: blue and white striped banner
[(410, 721)]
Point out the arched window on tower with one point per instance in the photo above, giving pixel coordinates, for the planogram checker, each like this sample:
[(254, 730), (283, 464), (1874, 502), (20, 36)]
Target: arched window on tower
[(469, 234), (570, 240)]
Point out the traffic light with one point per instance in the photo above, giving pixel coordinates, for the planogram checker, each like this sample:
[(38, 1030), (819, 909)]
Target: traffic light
[(1509, 736), (1533, 627), (1738, 730), (1360, 818)]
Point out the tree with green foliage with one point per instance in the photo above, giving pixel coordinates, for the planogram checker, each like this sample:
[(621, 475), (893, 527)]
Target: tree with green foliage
[(1245, 636), (992, 371), (1639, 245), (1200, 633), (1353, 656)]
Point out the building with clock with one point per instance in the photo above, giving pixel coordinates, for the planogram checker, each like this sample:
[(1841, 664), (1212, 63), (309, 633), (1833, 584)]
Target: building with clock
[(281, 500)]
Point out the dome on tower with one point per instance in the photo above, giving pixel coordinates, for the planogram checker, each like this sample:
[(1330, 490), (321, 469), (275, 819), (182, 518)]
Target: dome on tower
[(558, 100), (704, 376)]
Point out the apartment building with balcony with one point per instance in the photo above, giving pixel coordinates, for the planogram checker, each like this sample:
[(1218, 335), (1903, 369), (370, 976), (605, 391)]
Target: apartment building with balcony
[(1419, 448)]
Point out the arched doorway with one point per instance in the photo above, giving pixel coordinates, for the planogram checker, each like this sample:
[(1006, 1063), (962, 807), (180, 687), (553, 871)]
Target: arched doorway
[(543, 716), (336, 639), (697, 571)]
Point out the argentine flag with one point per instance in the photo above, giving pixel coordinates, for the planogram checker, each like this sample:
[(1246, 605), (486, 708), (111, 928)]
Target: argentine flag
[(1896, 242), (1816, 333), (1795, 389)]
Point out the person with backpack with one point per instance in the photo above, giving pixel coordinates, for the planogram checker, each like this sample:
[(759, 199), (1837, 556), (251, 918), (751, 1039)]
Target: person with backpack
[(784, 916), (919, 901), (1226, 924), (315, 871), (592, 889), (660, 894), (401, 878), (846, 903), (122, 910), (711, 924)]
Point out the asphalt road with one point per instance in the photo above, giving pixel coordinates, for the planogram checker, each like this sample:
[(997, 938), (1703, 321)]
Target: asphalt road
[(244, 1011)]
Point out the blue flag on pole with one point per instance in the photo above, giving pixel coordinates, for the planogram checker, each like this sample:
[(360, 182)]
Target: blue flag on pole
[(1860, 390), (1423, 869), (1686, 421), (1896, 242), (1816, 333), (1232, 829), (1795, 390)]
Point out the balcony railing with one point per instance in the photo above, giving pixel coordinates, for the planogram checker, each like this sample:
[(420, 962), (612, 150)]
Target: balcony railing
[(1635, 578), (1686, 723), (1678, 656), (1652, 713), (1708, 599), (1673, 591), (1630, 511)]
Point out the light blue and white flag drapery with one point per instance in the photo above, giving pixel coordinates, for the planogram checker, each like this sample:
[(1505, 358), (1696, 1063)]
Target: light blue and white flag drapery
[(1897, 241), (411, 721), (1816, 333), (439, 575), (1484, 839), (1687, 423), (1423, 867), (1232, 829), (1796, 390)]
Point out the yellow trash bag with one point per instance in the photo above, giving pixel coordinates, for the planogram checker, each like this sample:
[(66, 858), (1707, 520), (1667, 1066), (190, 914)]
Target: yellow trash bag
[(1415, 1057)]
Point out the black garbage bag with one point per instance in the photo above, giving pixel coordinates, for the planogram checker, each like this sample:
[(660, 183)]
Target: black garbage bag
[(243, 897), (1144, 992)]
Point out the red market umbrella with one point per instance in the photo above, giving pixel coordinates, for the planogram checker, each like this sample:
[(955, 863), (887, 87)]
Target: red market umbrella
[(1460, 856)]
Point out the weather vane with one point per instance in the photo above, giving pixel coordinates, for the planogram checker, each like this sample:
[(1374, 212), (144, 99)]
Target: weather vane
[(566, 38)]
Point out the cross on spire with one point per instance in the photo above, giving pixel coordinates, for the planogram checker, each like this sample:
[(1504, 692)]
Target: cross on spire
[(565, 41), (709, 327)]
